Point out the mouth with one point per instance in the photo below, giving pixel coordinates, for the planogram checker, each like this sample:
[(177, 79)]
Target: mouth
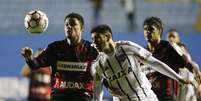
[(69, 31), (95, 45)]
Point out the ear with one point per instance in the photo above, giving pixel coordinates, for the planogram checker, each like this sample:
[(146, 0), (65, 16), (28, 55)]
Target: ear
[(108, 37), (82, 28)]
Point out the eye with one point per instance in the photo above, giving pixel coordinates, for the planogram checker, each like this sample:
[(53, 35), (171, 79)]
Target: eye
[(72, 23)]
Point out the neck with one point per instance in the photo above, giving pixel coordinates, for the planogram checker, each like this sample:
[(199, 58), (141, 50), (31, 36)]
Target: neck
[(152, 45), (74, 41)]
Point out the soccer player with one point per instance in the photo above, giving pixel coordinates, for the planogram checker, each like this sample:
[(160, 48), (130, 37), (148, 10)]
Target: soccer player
[(39, 86), (164, 87), (185, 92), (118, 68), (70, 60)]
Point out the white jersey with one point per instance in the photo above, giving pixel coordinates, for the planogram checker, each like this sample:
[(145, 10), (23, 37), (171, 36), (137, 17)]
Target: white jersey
[(186, 92), (123, 74)]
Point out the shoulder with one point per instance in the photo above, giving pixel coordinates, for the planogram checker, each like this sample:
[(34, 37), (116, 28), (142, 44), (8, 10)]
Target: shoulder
[(91, 50), (128, 45), (164, 43), (86, 42)]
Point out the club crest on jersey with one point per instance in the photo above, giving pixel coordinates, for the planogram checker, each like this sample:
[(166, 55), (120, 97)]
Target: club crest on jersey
[(71, 66)]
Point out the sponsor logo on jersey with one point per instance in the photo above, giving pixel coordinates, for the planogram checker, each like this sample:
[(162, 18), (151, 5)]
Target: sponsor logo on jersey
[(71, 66), (120, 74), (71, 85)]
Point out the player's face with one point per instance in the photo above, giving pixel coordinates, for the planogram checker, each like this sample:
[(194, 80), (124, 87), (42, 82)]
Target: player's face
[(173, 37), (100, 41), (151, 33), (72, 28)]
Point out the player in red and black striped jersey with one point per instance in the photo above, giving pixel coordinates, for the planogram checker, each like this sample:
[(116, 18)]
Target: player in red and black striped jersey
[(70, 60), (164, 87), (39, 86)]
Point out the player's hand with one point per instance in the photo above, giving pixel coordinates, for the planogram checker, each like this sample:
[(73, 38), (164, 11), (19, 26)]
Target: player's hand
[(27, 52)]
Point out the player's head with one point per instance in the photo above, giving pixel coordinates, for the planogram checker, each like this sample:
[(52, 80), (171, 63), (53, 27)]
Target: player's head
[(153, 29), (73, 26), (101, 36), (173, 36)]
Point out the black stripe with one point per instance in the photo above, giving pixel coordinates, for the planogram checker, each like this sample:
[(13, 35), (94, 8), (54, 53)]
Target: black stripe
[(127, 78), (133, 71), (118, 80)]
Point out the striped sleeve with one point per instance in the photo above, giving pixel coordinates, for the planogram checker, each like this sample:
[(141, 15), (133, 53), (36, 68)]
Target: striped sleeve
[(133, 48)]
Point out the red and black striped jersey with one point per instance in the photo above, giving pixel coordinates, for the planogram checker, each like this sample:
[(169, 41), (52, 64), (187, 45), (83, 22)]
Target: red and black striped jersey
[(39, 87), (162, 84), (71, 66)]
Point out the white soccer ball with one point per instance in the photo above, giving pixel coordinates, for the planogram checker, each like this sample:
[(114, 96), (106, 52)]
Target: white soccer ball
[(36, 21)]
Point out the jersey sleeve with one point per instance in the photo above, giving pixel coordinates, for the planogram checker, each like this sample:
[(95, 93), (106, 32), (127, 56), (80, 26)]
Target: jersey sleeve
[(43, 60), (46, 57), (135, 49), (163, 68)]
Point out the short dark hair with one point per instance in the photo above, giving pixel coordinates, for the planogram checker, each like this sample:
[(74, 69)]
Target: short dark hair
[(155, 21), (172, 30), (77, 16), (101, 29)]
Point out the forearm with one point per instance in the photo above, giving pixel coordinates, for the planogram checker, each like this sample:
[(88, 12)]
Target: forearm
[(32, 63), (164, 69)]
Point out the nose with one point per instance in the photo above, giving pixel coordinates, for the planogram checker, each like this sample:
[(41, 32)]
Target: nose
[(68, 27)]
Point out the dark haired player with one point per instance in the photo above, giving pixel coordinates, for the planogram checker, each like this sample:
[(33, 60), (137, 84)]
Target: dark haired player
[(118, 68), (70, 59), (164, 87), (40, 81)]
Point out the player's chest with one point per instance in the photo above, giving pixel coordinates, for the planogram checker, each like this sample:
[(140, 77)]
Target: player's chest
[(115, 67)]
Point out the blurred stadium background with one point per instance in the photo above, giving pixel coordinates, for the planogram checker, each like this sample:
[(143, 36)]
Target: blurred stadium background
[(184, 15)]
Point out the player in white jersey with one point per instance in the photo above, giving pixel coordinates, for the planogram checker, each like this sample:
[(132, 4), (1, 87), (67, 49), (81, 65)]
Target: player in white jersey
[(118, 68), (185, 92)]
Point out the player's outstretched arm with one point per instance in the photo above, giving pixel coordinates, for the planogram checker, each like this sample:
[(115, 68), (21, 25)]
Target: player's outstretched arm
[(165, 69)]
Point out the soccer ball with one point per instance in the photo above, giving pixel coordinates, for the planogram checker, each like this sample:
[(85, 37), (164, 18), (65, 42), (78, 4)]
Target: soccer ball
[(36, 21)]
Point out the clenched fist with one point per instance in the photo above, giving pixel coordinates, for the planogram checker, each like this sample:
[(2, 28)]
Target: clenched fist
[(27, 52)]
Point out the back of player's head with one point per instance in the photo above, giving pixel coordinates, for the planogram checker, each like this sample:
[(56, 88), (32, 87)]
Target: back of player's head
[(102, 29), (77, 16), (154, 21)]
